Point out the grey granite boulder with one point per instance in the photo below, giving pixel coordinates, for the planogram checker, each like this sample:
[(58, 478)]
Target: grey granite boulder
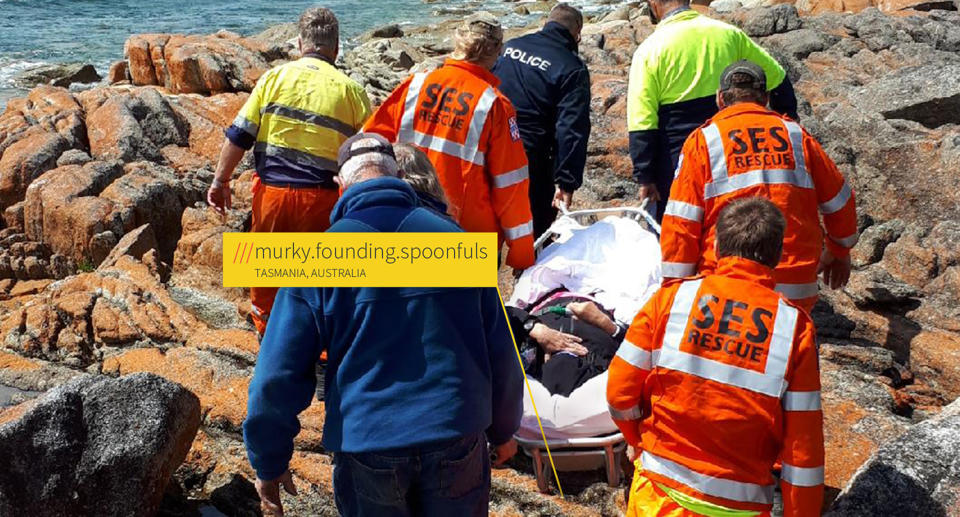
[(97, 446), (916, 474)]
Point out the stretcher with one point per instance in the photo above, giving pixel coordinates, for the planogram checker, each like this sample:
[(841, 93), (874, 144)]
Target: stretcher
[(606, 448)]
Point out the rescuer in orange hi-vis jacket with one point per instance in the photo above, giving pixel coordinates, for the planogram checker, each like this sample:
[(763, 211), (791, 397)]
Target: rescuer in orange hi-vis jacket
[(469, 131), (747, 150), (717, 379)]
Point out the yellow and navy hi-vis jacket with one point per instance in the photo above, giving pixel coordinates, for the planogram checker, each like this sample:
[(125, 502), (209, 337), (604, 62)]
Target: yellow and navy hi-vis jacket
[(673, 84), (296, 118)]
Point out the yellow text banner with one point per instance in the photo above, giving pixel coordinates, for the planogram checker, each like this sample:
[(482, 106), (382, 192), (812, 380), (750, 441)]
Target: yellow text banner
[(360, 259)]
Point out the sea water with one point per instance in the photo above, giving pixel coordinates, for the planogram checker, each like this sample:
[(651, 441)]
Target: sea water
[(34, 32)]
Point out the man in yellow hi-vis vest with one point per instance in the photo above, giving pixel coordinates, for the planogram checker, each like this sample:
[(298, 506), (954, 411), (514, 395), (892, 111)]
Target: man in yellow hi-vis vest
[(673, 85), (295, 120)]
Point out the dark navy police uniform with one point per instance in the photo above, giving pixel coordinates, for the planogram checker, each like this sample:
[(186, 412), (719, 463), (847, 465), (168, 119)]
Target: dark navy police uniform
[(549, 86)]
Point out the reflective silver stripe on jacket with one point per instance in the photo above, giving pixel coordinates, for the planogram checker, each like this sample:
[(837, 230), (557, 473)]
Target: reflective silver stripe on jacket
[(801, 476), (633, 413), (684, 211), (712, 486), (410, 108), (799, 291), (296, 156), (246, 126), (801, 401), (838, 202), (479, 120), (310, 117), (519, 231), (469, 151), (722, 183), (635, 355), (846, 242), (718, 158), (511, 178), (678, 269), (772, 381)]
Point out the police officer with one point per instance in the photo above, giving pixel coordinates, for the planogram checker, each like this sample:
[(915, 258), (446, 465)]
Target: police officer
[(673, 82), (549, 86)]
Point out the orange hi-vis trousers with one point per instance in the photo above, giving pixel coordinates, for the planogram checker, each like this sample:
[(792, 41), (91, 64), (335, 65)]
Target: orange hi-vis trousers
[(648, 500), (286, 209)]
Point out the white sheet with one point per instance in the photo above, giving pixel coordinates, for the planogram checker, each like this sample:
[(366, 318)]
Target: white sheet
[(614, 260), (583, 414), (617, 262)]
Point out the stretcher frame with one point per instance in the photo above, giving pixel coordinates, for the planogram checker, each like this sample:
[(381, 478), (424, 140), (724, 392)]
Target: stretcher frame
[(573, 454)]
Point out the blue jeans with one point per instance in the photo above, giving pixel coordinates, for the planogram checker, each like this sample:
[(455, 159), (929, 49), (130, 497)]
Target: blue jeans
[(439, 479)]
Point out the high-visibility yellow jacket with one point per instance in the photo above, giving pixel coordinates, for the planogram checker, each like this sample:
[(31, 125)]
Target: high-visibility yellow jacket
[(746, 151), (674, 79), (468, 129), (296, 118), (717, 378)]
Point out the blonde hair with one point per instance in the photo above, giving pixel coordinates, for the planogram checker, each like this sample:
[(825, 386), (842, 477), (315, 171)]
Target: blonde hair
[(417, 170), (478, 38)]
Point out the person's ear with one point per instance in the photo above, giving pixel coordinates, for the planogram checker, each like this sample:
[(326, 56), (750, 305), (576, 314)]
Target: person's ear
[(720, 104)]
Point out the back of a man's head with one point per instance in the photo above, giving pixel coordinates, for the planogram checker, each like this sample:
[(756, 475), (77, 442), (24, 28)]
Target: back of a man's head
[(319, 29), (743, 81), (366, 156), (568, 16), (751, 228)]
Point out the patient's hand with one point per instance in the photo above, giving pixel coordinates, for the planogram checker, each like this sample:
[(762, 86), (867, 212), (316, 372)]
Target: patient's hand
[(554, 341), (590, 313)]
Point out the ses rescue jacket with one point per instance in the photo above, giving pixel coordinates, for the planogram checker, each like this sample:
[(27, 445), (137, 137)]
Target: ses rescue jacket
[(718, 378), (549, 87), (746, 151), (673, 84), (297, 117), (469, 131)]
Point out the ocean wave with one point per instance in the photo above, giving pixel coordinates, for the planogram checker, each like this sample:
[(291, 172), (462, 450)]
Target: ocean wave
[(9, 68)]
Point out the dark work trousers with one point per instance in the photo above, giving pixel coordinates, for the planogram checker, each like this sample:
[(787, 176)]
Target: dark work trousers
[(542, 190)]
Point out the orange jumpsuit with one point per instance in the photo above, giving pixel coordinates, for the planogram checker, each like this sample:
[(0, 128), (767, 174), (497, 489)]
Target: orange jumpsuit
[(745, 151), (718, 378), (469, 131)]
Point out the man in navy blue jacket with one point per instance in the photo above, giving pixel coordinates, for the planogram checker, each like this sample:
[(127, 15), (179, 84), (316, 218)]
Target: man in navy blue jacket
[(549, 86), (418, 380)]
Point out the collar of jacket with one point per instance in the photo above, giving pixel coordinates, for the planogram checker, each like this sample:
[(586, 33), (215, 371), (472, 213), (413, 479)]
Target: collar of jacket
[(561, 34), (314, 55), (379, 192), (476, 70), (742, 107), (678, 15), (746, 269)]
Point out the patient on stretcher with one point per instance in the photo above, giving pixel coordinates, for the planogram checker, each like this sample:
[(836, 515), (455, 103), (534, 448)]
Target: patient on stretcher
[(565, 340)]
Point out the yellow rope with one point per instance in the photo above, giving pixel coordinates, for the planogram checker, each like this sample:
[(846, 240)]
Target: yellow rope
[(530, 391)]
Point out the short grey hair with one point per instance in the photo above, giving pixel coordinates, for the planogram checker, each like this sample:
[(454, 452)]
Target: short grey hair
[(319, 28), (417, 170), (365, 155)]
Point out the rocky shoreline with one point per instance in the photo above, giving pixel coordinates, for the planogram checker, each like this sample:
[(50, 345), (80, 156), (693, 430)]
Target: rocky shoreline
[(109, 261)]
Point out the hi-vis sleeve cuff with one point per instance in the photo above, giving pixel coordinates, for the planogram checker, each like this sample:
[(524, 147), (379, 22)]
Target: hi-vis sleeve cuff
[(801, 401), (802, 476), (838, 202), (626, 415), (684, 211), (635, 356), (509, 179), (519, 231), (678, 269)]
